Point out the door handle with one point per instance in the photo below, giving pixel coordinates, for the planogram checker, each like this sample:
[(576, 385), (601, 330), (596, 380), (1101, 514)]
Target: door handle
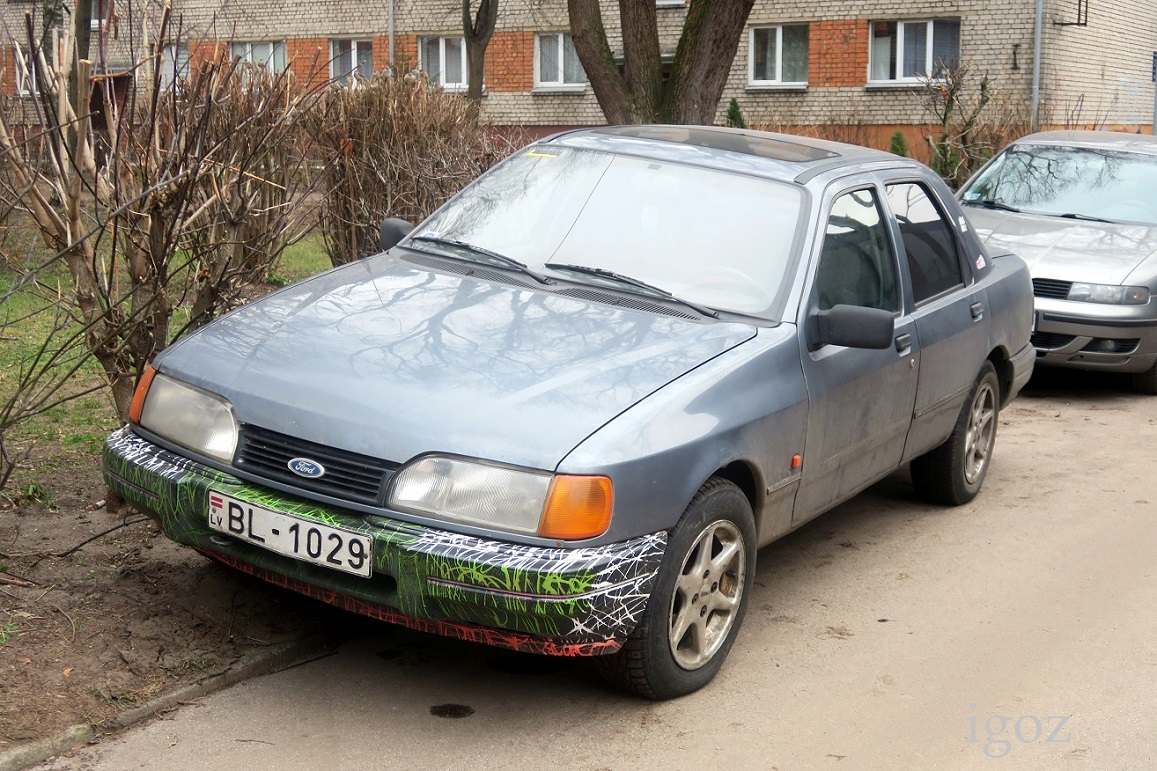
[(903, 343), (977, 311)]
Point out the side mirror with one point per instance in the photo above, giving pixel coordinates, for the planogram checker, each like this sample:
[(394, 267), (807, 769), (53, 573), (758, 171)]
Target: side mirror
[(392, 231), (854, 326)]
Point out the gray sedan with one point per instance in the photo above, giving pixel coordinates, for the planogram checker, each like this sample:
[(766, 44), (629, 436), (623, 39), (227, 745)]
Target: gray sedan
[(1081, 208), (562, 413)]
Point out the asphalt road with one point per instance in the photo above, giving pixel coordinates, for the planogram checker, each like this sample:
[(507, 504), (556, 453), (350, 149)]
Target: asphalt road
[(1015, 633)]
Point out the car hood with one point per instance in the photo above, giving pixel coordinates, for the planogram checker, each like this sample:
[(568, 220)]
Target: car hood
[(389, 360), (1066, 250)]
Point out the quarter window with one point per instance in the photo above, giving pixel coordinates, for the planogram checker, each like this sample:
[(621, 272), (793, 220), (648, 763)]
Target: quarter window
[(913, 50), (351, 57), (929, 242), (556, 62), (778, 55), (268, 54), (443, 59), (857, 266)]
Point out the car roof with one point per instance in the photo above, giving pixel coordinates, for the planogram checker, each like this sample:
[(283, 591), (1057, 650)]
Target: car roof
[(1104, 140), (778, 156)]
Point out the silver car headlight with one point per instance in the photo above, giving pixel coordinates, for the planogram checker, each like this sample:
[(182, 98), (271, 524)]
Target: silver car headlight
[(497, 497), (1108, 294), (185, 415)]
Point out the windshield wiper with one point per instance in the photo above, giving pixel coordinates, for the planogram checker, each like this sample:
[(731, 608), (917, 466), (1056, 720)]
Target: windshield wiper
[(650, 289), (991, 203), (1085, 217), (494, 258)]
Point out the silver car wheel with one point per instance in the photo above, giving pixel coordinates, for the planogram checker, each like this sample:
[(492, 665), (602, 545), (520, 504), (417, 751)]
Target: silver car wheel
[(981, 432), (708, 594)]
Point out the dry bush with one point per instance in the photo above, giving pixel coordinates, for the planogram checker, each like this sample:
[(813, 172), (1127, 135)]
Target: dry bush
[(402, 148)]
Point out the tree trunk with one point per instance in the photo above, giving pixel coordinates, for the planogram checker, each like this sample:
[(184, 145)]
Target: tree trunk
[(637, 94), (477, 33), (703, 60)]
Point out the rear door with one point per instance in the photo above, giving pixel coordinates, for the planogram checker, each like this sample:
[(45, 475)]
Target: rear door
[(950, 310)]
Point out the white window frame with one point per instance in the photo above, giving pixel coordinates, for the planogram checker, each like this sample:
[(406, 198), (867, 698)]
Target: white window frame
[(439, 76), (929, 53), (557, 39), (356, 45), (175, 63), (99, 13), (276, 47), (778, 81), (26, 83)]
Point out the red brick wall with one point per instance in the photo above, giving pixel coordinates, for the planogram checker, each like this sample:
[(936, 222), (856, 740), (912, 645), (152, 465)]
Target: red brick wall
[(201, 51), (510, 62), (308, 60), (838, 53), (8, 62)]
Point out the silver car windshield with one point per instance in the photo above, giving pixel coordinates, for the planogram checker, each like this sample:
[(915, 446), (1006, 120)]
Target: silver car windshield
[(1076, 182), (710, 237)]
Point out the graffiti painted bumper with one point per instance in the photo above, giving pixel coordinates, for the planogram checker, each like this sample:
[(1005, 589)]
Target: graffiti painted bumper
[(567, 602)]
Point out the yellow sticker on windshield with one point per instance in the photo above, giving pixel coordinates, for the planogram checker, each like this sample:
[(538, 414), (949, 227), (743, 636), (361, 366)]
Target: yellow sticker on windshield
[(537, 154)]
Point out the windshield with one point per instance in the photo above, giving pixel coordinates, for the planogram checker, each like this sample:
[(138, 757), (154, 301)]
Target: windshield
[(709, 237), (1070, 181)]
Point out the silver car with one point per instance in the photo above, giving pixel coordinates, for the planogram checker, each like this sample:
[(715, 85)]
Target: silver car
[(562, 413), (1081, 208)]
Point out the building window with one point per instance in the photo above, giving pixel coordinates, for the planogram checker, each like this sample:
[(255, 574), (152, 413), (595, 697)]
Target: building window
[(25, 71), (778, 55), (99, 13), (174, 64), (556, 64), (443, 59), (349, 58), (913, 50), (263, 54)]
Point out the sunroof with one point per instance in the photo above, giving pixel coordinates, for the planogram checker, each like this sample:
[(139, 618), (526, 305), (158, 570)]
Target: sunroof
[(736, 142)]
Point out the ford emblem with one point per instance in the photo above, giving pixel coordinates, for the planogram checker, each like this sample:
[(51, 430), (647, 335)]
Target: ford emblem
[(304, 467)]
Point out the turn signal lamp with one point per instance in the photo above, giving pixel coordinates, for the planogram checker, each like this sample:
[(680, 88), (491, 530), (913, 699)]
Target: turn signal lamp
[(577, 507), (139, 395)]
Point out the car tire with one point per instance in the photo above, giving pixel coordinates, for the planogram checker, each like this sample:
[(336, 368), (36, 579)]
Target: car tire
[(692, 620), (1146, 382), (953, 473)]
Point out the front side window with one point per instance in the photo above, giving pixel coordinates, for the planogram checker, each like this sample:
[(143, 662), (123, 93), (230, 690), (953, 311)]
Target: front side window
[(268, 54), (913, 50), (348, 58), (778, 55), (443, 59), (929, 241), (856, 263), (556, 62)]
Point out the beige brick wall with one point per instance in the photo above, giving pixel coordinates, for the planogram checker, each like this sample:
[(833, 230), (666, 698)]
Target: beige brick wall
[(1094, 74)]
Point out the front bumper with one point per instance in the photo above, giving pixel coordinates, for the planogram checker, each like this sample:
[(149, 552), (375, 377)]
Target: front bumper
[(1094, 337), (565, 602)]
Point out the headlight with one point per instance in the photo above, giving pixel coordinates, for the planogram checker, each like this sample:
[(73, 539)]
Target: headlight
[(188, 416), (502, 498), (1109, 294)]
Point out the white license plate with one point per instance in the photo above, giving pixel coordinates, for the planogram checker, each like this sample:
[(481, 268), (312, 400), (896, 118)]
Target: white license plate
[(300, 539)]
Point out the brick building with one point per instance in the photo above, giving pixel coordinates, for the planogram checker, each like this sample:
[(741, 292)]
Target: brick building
[(799, 63)]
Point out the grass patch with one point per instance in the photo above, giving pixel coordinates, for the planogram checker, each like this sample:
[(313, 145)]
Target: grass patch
[(301, 260)]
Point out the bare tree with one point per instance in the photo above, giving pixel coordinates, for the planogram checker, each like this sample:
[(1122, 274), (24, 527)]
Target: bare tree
[(477, 33), (641, 91)]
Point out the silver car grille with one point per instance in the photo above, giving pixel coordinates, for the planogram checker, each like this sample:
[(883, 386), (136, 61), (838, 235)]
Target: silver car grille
[(348, 475)]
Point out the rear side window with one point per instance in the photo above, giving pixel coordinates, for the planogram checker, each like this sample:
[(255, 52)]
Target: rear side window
[(929, 241)]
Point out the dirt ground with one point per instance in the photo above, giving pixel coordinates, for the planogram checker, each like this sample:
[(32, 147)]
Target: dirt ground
[(124, 615)]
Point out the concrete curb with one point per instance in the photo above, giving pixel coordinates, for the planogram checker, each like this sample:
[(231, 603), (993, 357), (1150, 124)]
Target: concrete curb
[(266, 661)]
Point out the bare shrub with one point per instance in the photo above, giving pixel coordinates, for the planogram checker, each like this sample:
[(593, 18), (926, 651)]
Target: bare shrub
[(401, 149), (971, 120)]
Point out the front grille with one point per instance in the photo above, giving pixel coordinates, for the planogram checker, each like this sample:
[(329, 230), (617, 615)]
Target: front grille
[(1112, 345), (1049, 340), (348, 475), (1051, 288)]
